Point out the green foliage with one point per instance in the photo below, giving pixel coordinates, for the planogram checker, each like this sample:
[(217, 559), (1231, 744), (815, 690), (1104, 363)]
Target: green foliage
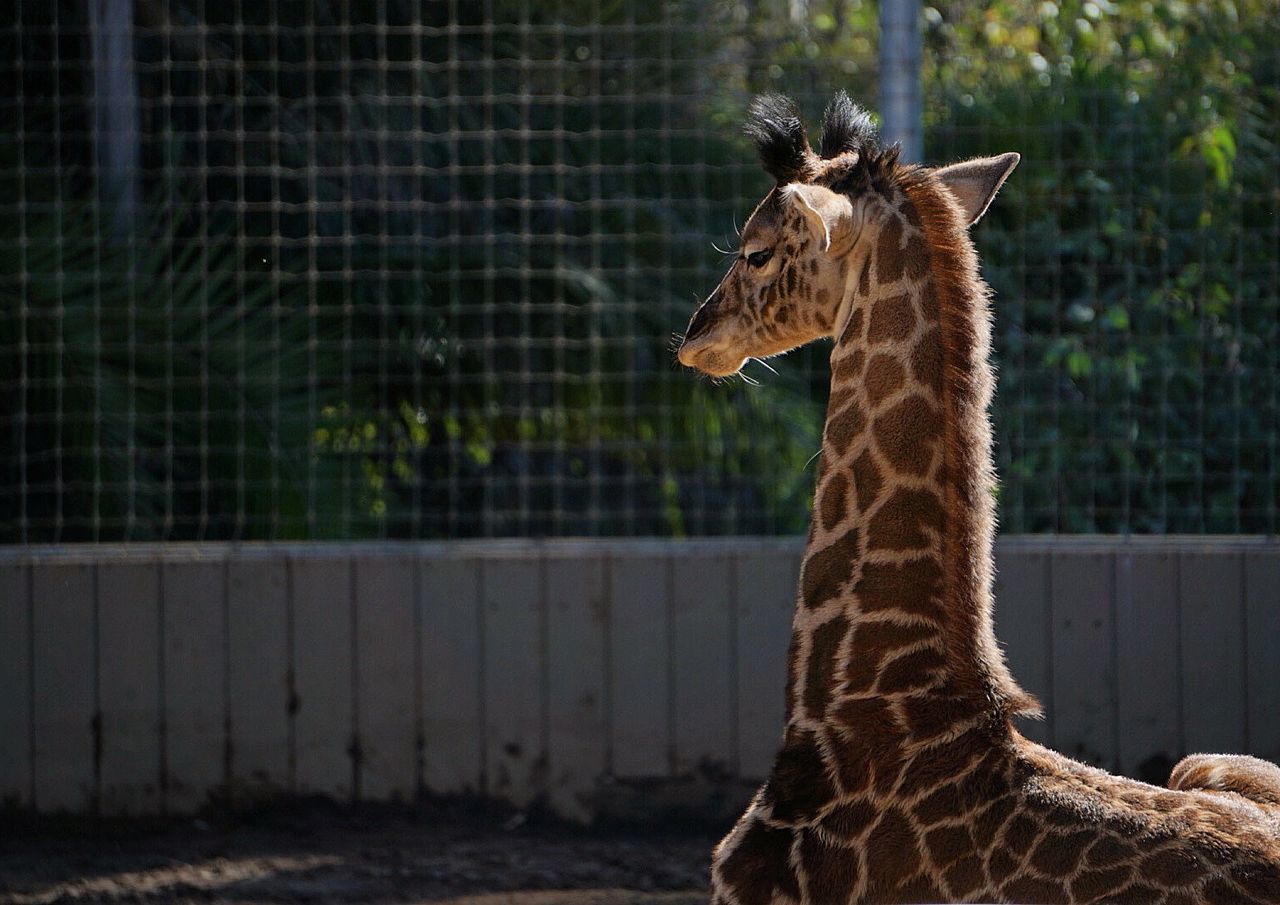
[(149, 381), (1133, 253), (433, 296)]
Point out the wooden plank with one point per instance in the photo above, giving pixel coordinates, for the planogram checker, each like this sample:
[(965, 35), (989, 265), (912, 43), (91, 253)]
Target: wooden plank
[(513, 659), (15, 679), (1211, 592), (64, 687), (452, 660), (1084, 678), (577, 732), (703, 655), (766, 585), (1146, 663), (258, 674), (386, 680), (639, 652), (195, 676), (322, 663), (1262, 609), (1023, 624), (129, 686)]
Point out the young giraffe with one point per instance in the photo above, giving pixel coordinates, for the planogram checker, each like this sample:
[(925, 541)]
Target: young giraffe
[(901, 777)]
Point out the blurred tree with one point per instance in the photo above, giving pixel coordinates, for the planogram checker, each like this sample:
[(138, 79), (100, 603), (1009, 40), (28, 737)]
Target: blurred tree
[(412, 270)]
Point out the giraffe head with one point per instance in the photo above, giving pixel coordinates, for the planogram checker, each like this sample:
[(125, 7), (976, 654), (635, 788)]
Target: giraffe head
[(789, 283)]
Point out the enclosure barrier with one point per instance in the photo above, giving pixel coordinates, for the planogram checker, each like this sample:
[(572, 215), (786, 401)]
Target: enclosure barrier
[(587, 675)]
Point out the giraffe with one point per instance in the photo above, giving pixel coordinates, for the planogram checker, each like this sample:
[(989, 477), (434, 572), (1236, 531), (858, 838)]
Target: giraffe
[(901, 777)]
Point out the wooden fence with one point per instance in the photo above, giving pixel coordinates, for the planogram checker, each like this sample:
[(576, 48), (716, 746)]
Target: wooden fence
[(142, 679)]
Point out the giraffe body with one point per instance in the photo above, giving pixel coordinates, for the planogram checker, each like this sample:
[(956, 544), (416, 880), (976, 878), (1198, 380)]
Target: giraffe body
[(901, 777)]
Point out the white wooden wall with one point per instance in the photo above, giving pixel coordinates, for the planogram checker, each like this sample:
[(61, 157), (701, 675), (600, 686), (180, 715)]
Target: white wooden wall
[(143, 679)]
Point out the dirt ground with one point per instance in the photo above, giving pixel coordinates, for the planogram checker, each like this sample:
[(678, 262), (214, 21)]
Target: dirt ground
[(456, 852)]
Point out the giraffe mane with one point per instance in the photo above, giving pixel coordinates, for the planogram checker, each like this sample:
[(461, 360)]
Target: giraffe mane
[(964, 302)]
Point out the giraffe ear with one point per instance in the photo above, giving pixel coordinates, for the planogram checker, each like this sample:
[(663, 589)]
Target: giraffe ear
[(828, 213), (975, 182)]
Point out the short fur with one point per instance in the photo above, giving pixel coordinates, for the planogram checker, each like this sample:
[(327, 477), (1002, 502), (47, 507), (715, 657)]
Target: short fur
[(901, 777)]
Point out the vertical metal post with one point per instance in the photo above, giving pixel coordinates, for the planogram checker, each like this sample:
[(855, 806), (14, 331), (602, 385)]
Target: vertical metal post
[(115, 103), (900, 103)]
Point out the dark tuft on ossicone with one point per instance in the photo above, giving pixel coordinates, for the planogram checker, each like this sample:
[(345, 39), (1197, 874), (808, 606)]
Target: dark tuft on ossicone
[(846, 127), (774, 124)]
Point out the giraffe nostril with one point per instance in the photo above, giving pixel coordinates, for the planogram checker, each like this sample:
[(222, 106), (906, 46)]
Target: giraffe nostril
[(700, 325)]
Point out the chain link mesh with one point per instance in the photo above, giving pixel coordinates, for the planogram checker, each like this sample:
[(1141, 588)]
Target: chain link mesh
[(393, 269)]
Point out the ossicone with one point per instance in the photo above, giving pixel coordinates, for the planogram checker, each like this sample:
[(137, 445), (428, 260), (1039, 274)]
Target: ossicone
[(774, 124), (846, 127)]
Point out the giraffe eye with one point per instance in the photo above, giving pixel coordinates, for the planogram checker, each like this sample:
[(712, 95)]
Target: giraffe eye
[(760, 258)]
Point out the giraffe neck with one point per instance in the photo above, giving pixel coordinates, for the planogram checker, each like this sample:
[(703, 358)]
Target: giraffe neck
[(895, 593)]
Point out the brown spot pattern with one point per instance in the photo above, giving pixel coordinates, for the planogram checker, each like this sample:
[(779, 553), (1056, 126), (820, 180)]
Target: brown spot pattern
[(915, 670), (861, 672), (848, 370), (1141, 894), (864, 284), (1261, 880), (919, 889), (1020, 834), (822, 663), (929, 306), (940, 763), (889, 261), (832, 873), (834, 505), (846, 426), (892, 319), (866, 480), (826, 571), (1057, 854), (915, 257), (1001, 865), (872, 642), (965, 876), (991, 820), (900, 523), (943, 802), (947, 844), (884, 376), (908, 433), (898, 854), (867, 749), (1034, 889), (1107, 851), (913, 587), (758, 867), (926, 361), (932, 715), (799, 786), (1091, 884), (851, 818), (910, 213)]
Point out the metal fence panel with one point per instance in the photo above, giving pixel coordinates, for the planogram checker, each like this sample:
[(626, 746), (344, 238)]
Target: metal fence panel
[(411, 270)]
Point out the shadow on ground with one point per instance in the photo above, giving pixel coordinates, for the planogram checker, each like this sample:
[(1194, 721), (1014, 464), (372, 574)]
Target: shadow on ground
[(452, 851)]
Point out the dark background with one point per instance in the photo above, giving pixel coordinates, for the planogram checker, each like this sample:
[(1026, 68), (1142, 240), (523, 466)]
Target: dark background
[(395, 269)]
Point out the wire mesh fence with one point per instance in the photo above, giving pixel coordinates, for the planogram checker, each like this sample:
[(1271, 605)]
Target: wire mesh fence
[(411, 269)]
